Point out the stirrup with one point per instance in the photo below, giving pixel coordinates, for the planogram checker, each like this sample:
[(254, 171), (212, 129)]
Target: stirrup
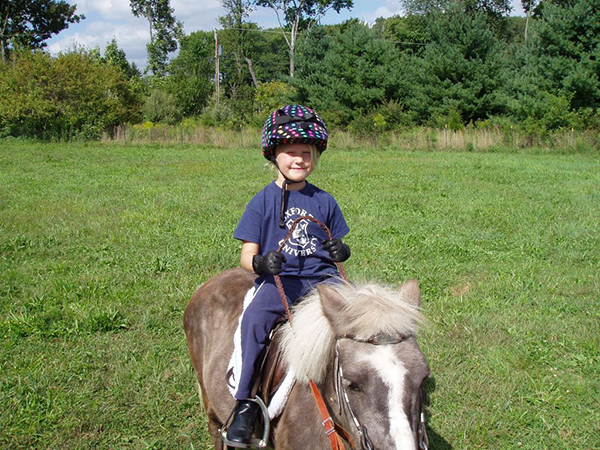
[(254, 442)]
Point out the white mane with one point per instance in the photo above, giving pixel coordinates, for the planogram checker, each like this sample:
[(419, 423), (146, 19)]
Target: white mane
[(368, 310)]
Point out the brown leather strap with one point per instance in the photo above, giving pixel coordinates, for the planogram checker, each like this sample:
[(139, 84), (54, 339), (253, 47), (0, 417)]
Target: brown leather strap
[(328, 423), (283, 297), (330, 426), (345, 435)]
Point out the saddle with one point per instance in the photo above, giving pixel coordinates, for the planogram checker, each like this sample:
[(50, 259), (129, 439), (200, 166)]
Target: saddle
[(269, 370)]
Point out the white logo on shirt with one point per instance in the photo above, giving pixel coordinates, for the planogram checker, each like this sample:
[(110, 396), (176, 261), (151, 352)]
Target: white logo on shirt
[(300, 242)]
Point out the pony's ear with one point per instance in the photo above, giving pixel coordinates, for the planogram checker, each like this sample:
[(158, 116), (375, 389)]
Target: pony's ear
[(410, 292), (332, 303)]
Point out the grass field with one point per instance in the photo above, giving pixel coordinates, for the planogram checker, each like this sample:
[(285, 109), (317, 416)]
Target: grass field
[(101, 246)]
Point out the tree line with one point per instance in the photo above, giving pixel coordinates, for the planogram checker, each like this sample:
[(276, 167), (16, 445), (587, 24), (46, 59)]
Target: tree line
[(445, 64)]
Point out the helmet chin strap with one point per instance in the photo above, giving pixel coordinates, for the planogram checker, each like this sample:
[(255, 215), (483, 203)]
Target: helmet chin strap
[(283, 203)]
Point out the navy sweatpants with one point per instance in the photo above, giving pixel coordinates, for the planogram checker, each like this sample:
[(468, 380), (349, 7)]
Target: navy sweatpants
[(257, 321)]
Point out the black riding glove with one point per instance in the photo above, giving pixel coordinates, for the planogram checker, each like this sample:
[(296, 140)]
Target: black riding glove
[(338, 251), (269, 263)]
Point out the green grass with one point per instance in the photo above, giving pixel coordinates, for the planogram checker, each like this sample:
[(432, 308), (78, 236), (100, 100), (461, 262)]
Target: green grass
[(101, 247)]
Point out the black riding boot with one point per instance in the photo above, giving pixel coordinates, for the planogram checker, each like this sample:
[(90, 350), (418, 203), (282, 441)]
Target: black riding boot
[(244, 419)]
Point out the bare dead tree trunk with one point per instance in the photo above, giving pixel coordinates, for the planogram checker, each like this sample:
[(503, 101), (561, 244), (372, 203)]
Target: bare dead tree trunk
[(217, 69), (291, 42), (3, 40), (252, 73)]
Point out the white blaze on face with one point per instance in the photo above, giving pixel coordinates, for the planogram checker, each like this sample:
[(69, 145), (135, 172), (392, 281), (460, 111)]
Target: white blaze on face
[(393, 373)]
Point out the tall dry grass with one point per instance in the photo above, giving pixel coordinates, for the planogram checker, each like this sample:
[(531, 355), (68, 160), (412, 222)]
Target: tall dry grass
[(421, 138), (199, 135)]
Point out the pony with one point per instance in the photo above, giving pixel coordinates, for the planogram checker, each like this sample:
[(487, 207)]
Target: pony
[(356, 342)]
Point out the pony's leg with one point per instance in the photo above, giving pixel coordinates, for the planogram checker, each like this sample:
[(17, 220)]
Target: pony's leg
[(300, 423), (213, 428)]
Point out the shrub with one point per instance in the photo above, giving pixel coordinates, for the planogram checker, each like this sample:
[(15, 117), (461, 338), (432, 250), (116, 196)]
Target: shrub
[(387, 117), (395, 116), (558, 114), (363, 125), (161, 107), (272, 95), (233, 113), (72, 95), (449, 117), (217, 113)]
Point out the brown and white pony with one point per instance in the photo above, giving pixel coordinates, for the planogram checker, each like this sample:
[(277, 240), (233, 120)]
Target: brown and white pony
[(356, 342)]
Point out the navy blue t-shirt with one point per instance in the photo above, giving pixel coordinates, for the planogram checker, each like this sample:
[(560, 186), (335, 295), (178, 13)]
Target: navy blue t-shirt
[(303, 252)]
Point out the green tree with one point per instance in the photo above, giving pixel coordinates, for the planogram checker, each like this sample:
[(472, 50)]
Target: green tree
[(165, 30), (269, 54), (346, 71), (568, 51), (553, 82), (408, 33), (517, 29), (527, 96), (495, 8), (266, 51), (458, 71), (495, 11), (298, 14), (117, 57), (29, 23), (191, 73), (237, 31)]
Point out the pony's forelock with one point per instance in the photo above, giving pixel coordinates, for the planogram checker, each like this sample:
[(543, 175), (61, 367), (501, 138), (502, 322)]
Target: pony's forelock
[(369, 309), (373, 309), (308, 343)]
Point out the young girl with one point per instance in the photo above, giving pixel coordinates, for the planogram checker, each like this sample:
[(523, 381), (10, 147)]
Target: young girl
[(293, 138)]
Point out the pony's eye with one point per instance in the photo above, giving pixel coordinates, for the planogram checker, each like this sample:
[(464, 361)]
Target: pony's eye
[(354, 387)]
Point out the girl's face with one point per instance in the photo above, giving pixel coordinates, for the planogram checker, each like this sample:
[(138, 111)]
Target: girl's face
[(294, 161)]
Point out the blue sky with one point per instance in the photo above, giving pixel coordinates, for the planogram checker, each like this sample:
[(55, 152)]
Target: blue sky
[(106, 19)]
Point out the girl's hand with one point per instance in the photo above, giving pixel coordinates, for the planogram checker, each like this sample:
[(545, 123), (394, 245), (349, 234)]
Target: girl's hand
[(338, 251), (269, 263)]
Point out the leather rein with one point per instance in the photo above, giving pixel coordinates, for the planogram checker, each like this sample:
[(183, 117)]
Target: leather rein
[(332, 429)]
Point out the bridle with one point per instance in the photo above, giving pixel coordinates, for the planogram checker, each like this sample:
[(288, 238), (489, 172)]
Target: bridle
[(332, 428), (344, 401)]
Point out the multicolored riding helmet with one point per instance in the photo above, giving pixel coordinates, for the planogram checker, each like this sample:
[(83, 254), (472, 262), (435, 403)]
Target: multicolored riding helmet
[(293, 124)]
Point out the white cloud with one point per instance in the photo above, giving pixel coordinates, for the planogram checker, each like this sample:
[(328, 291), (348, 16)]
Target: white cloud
[(194, 14), (106, 8), (131, 35), (389, 8), (198, 15)]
